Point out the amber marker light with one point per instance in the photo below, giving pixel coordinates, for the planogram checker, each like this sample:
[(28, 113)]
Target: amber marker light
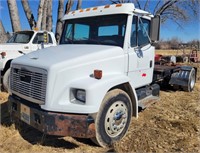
[(3, 54), (98, 74), (118, 5), (107, 6)]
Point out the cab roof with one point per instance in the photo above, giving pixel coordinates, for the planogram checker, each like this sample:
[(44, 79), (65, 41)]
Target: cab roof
[(125, 8)]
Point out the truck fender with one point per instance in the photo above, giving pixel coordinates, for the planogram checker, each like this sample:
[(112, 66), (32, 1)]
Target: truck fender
[(97, 89), (7, 66)]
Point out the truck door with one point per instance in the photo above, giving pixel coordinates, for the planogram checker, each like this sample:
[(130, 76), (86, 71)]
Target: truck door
[(141, 53)]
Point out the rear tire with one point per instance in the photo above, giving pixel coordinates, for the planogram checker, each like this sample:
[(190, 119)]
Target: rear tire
[(113, 118), (6, 78)]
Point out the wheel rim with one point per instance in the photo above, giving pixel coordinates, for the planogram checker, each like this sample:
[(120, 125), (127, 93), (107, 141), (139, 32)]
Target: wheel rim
[(116, 119), (192, 82)]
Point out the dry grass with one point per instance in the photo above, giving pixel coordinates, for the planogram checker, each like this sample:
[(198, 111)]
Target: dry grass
[(171, 125), (172, 52)]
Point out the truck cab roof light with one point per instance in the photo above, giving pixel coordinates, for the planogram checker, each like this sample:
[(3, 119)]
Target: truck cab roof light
[(107, 6), (118, 5), (36, 29), (95, 8)]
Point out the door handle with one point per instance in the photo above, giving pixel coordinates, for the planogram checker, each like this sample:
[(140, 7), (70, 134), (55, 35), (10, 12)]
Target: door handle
[(151, 63)]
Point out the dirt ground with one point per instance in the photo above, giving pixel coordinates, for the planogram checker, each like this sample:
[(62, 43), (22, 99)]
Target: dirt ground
[(170, 125)]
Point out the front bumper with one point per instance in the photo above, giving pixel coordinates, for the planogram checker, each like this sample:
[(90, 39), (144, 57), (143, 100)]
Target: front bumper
[(52, 123)]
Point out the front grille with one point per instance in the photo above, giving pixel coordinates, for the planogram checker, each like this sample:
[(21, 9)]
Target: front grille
[(29, 83)]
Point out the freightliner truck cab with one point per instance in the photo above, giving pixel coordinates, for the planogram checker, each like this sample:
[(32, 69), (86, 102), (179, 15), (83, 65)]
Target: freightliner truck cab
[(91, 85)]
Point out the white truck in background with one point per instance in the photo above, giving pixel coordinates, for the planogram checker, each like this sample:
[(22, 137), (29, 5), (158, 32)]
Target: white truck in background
[(20, 43), (97, 78)]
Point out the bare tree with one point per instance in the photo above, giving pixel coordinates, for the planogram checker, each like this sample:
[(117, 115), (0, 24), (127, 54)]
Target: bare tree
[(49, 16), (3, 34), (79, 4), (69, 6), (29, 14), (40, 13), (59, 20), (13, 10), (44, 16), (176, 10)]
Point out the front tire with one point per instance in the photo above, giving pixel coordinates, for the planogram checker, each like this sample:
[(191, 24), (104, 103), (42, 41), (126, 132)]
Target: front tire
[(113, 118), (6, 78)]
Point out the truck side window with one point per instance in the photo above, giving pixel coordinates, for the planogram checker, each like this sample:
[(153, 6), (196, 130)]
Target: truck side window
[(143, 32), (134, 32), (39, 37), (50, 39), (140, 32)]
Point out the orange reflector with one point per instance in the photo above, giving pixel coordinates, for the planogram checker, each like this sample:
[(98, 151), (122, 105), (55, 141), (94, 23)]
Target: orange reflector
[(88, 9), (95, 8), (36, 29), (118, 5), (3, 54), (98, 74), (81, 11), (107, 6)]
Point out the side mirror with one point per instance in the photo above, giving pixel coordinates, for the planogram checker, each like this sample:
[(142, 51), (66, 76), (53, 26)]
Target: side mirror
[(155, 28)]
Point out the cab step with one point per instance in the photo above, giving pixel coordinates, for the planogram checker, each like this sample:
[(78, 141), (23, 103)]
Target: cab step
[(148, 101)]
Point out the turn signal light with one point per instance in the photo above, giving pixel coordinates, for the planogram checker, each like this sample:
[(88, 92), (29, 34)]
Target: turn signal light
[(3, 54), (98, 74)]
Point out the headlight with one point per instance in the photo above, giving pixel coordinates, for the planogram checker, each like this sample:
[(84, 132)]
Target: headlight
[(77, 96), (80, 95)]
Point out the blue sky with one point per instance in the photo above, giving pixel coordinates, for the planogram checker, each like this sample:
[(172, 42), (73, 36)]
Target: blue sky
[(190, 31)]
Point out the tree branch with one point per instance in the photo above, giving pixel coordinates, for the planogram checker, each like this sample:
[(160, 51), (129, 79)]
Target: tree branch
[(146, 4)]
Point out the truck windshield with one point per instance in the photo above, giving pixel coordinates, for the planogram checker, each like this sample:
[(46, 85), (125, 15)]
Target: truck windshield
[(99, 30), (21, 37)]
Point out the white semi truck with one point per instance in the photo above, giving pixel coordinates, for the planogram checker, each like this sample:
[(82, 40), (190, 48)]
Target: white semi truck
[(22, 42), (93, 83)]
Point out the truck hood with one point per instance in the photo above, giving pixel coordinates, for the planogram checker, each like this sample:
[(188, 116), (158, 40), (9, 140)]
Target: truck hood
[(12, 47), (71, 67), (68, 55)]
